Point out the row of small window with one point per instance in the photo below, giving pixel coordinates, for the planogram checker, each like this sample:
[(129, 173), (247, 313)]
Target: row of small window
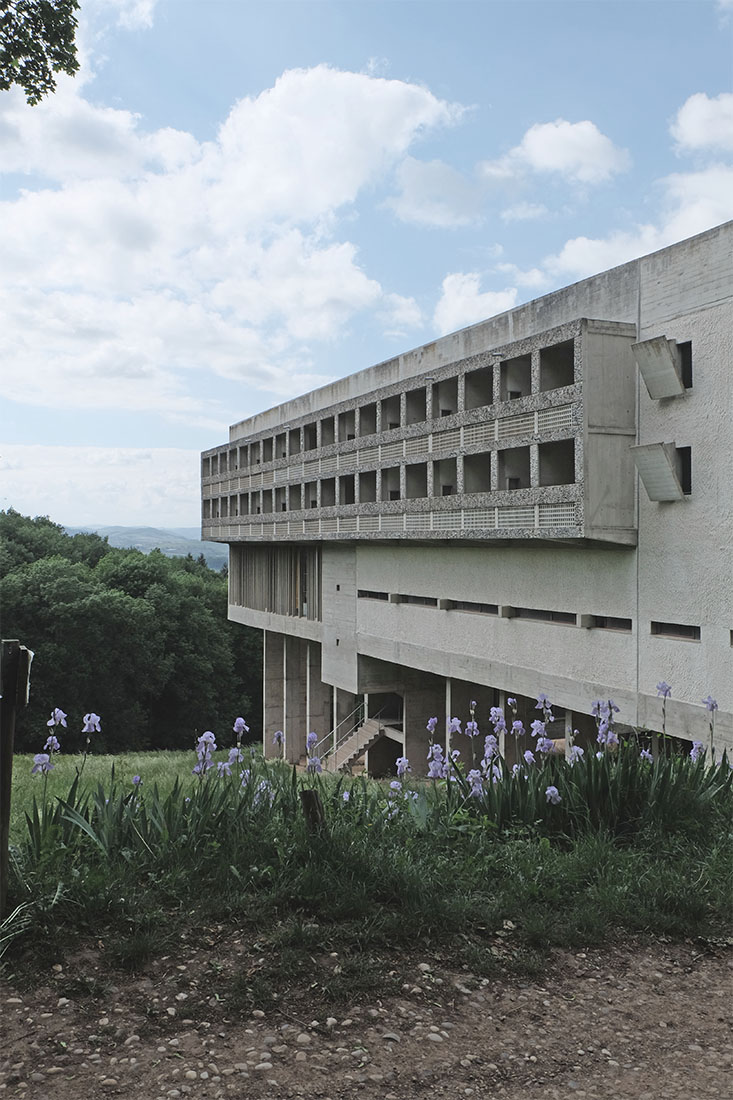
[(429, 402), (556, 467), (567, 618)]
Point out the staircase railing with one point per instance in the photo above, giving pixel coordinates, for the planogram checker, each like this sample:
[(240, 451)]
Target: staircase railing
[(332, 740)]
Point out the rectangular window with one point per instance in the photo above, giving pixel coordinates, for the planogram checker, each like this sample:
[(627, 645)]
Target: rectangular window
[(610, 622), (684, 469), (421, 601), (368, 594), (541, 615), (473, 608), (685, 353), (677, 630)]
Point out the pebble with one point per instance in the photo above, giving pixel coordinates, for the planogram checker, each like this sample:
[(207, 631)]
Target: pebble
[(303, 1039), (434, 1036)]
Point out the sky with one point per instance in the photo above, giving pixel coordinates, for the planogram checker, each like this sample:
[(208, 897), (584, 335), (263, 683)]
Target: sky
[(234, 202)]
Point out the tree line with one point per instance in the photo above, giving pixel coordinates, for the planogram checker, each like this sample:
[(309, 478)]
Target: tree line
[(142, 640)]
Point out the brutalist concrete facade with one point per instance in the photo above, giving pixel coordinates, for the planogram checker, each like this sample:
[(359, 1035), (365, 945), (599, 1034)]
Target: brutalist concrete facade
[(466, 521)]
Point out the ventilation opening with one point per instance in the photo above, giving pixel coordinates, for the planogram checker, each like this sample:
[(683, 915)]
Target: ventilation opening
[(541, 615), (473, 608), (368, 594), (420, 601)]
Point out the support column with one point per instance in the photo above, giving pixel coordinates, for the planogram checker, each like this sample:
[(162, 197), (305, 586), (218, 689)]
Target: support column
[(448, 714), (294, 718), (318, 694), (272, 690)]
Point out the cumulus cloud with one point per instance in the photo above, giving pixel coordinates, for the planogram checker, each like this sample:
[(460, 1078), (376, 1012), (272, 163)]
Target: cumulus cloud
[(576, 151), (691, 203), (81, 486), (462, 302), (433, 193), (705, 123), (524, 211), (144, 256)]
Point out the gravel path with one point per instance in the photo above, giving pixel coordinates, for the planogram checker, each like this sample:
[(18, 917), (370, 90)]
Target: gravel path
[(650, 1021)]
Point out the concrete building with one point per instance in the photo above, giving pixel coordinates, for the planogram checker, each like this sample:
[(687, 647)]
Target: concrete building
[(542, 502)]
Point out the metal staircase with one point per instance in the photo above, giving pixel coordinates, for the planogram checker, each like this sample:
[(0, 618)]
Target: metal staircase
[(354, 745)]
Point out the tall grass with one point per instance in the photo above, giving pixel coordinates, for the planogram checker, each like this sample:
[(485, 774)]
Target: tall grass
[(630, 845)]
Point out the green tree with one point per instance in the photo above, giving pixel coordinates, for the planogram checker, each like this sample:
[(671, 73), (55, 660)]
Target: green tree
[(36, 42)]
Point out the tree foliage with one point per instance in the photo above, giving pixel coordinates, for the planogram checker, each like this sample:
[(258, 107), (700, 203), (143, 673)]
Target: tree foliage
[(142, 640), (36, 42)]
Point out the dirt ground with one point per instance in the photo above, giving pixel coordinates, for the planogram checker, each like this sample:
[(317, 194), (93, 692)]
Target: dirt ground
[(646, 1020)]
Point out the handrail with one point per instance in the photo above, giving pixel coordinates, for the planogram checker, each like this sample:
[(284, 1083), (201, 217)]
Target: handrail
[(352, 731), (358, 709)]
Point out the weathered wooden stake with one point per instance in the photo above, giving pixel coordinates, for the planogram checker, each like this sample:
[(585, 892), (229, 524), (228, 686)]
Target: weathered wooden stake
[(315, 818), (15, 662)]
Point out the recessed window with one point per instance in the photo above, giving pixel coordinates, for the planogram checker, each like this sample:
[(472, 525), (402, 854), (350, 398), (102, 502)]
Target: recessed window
[(391, 413), (684, 469), (610, 622), (391, 483), (294, 440), (479, 388), (477, 473), (328, 492), (420, 601), (677, 630), (347, 489), (445, 397), (416, 480), (473, 608), (557, 366), (281, 445), (368, 486), (369, 594), (346, 425), (444, 477), (368, 419), (514, 468), (267, 450), (684, 351), (516, 377), (544, 616), (310, 437), (557, 462), (327, 431), (415, 406)]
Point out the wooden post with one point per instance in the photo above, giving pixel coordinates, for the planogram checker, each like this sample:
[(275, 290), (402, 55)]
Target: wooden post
[(315, 818), (15, 662)]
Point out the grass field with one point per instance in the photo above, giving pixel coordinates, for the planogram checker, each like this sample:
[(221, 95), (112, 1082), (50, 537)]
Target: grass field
[(493, 880)]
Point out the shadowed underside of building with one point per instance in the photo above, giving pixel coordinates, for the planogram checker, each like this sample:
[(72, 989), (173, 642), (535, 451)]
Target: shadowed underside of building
[(542, 502)]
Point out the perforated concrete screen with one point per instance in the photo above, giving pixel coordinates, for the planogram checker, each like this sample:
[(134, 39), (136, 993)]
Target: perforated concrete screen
[(659, 365), (657, 466)]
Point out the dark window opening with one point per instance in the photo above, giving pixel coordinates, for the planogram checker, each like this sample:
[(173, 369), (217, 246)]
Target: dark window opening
[(420, 601), (677, 630), (684, 469), (611, 622), (541, 615), (473, 608), (685, 353), (557, 366), (479, 388), (368, 594), (516, 377)]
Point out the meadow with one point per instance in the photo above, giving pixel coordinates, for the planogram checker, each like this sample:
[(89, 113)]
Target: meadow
[(487, 867)]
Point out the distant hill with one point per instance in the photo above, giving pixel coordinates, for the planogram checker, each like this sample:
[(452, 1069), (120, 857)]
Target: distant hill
[(173, 542)]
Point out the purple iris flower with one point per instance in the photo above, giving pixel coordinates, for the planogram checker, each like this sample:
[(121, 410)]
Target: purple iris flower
[(518, 729), (646, 755), (403, 765), (553, 796), (240, 727), (538, 728), (545, 745), (137, 780), (223, 768), (311, 740), (455, 725), (42, 764), (58, 718), (314, 765), (476, 780), (52, 744), (278, 737), (431, 726), (697, 750), (529, 757), (471, 729), (664, 689), (91, 723), (575, 754), (710, 703)]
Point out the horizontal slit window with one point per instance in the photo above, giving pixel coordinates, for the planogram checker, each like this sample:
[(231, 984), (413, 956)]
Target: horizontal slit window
[(367, 594), (677, 630), (607, 622), (541, 615), (473, 608), (421, 601)]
